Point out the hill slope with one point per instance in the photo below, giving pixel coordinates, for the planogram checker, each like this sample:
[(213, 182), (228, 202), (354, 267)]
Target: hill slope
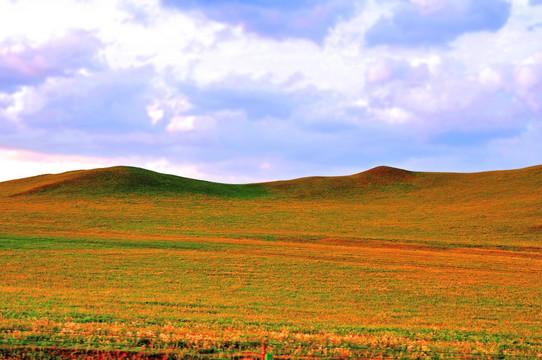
[(122, 181), (379, 178), (498, 208)]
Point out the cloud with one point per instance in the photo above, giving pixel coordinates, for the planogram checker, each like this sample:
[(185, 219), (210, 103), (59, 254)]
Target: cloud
[(491, 77), (513, 150), (24, 64), (528, 81), (257, 99), (108, 102), (23, 163), (437, 22), (535, 2), (183, 86), (190, 123), (278, 19), (521, 150), (444, 102)]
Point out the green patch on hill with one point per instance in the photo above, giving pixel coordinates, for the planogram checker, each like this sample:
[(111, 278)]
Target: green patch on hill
[(124, 181)]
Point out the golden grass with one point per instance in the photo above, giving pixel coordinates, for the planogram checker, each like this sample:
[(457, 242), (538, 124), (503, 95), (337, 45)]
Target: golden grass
[(406, 264)]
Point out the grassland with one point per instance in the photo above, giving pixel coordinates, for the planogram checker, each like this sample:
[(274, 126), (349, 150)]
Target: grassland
[(122, 261)]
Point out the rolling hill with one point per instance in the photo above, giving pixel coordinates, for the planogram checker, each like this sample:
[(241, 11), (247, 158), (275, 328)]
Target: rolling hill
[(124, 180), (499, 208)]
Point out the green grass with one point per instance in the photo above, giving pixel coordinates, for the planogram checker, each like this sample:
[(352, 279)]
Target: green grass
[(250, 286), (130, 181), (406, 264), (208, 293)]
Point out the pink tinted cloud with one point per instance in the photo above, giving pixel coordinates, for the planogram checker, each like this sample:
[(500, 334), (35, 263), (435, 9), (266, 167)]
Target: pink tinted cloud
[(33, 66), (21, 63), (528, 81), (18, 163)]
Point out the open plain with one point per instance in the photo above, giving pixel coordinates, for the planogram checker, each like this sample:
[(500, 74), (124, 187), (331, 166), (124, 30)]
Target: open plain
[(388, 263)]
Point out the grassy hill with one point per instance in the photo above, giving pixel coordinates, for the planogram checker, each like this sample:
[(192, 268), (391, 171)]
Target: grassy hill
[(500, 208), (128, 262), (122, 181)]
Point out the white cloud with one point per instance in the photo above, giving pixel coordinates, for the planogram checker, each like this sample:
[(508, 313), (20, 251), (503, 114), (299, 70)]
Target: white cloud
[(155, 112), (182, 123), (379, 72), (187, 123), (433, 62), (37, 22), (394, 115), (491, 78), (527, 76), (167, 103), (26, 100), (510, 45)]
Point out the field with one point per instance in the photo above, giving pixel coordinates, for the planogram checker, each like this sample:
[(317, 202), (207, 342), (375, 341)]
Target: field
[(123, 262)]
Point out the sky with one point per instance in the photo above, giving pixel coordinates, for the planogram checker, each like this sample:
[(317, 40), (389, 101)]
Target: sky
[(244, 91)]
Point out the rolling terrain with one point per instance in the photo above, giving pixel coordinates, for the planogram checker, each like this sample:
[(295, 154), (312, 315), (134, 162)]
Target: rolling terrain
[(386, 262)]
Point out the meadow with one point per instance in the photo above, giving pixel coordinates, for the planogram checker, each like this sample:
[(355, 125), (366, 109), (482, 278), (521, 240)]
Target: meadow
[(387, 263)]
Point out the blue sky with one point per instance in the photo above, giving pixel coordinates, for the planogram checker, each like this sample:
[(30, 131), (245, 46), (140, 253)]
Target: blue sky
[(246, 91)]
